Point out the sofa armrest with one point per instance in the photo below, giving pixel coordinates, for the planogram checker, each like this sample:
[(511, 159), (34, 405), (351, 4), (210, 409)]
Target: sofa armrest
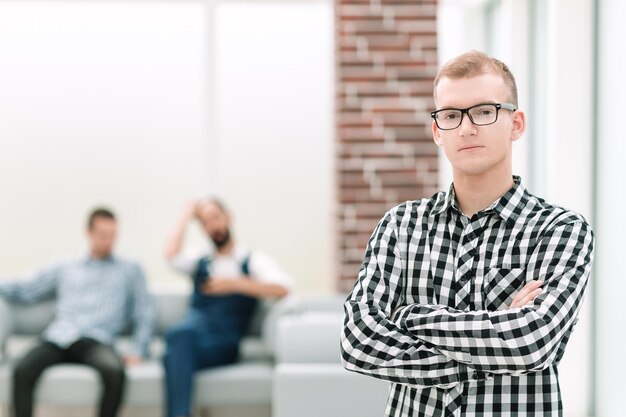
[(309, 338), (277, 309), (6, 324)]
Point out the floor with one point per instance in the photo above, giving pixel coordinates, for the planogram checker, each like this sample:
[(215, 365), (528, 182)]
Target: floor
[(150, 412)]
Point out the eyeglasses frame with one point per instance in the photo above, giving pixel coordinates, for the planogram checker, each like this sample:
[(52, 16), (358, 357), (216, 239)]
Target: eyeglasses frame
[(505, 106)]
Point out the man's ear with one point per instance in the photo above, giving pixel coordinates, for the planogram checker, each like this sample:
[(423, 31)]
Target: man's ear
[(518, 125), (437, 135)]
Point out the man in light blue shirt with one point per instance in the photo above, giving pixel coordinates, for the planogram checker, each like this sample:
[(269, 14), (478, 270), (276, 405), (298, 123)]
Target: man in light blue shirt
[(96, 295)]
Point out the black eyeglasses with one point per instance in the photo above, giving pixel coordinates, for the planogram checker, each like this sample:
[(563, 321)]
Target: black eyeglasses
[(480, 115)]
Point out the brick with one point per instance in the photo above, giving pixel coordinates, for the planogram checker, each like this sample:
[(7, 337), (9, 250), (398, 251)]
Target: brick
[(386, 59), (366, 27), (414, 2), (351, 179), (378, 149), (361, 74), (422, 137), (360, 134), (360, 226), (397, 41), (355, 196), (417, 73), (418, 13), (353, 120), (403, 119), (370, 211)]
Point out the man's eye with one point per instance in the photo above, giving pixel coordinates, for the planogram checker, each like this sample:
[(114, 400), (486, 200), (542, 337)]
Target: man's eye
[(450, 116), (483, 111)]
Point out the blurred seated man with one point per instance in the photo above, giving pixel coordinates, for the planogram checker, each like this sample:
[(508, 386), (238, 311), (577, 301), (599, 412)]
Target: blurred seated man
[(227, 283), (95, 295)]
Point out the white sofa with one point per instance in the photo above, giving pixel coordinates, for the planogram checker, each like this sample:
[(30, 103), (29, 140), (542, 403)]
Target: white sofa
[(289, 367), (245, 383), (309, 380)]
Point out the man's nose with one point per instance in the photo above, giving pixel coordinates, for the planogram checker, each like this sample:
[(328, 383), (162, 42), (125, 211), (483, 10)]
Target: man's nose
[(467, 128)]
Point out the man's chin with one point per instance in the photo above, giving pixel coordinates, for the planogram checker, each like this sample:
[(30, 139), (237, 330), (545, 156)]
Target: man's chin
[(220, 241), (102, 254)]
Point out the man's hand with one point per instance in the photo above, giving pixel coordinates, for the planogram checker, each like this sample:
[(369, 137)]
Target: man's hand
[(177, 236), (132, 360), (190, 210), (527, 294), (221, 286)]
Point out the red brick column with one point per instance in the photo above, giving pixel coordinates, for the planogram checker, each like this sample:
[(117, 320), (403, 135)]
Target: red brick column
[(386, 60)]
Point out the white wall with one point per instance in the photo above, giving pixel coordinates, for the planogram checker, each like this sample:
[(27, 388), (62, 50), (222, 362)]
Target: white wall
[(101, 103), (141, 105), (610, 227), (274, 108)]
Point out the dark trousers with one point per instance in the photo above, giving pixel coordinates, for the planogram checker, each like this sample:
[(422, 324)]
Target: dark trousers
[(88, 352), (192, 345)]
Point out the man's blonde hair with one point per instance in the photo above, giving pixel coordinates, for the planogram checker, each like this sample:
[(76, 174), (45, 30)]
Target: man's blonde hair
[(473, 63)]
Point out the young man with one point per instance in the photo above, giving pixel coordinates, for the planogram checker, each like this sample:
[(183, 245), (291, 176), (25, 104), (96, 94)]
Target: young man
[(228, 281), (95, 296), (466, 300)]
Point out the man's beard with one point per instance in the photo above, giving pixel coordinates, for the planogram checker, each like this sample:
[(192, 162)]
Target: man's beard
[(221, 239)]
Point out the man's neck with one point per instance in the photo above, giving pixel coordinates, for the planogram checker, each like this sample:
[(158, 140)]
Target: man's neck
[(99, 256), (477, 192)]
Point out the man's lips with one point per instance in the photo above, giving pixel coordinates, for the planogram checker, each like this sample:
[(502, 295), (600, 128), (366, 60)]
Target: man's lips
[(469, 147)]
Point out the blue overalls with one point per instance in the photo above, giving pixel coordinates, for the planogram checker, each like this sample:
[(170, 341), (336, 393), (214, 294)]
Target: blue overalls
[(208, 336)]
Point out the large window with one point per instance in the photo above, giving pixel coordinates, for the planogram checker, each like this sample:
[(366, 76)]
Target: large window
[(141, 105)]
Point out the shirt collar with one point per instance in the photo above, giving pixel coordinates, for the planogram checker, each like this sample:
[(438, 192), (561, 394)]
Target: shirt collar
[(239, 252), (508, 207), (445, 201), (88, 258)]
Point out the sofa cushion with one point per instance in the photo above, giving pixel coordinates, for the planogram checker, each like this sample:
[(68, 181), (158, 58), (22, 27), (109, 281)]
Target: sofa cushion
[(243, 383), (247, 382), (311, 337), (5, 382), (313, 390)]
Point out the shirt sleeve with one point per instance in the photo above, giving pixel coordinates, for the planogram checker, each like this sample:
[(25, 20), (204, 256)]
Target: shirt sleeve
[(186, 261), (39, 286), (266, 270), (518, 340), (143, 312), (373, 344)]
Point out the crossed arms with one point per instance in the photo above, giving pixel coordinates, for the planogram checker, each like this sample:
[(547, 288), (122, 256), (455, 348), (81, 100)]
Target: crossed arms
[(435, 345)]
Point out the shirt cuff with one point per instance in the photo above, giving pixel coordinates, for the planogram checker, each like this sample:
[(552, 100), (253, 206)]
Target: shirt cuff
[(141, 351)]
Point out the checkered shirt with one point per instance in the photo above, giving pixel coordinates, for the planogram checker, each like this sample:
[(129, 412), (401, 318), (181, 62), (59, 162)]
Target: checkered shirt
[(430, 309)]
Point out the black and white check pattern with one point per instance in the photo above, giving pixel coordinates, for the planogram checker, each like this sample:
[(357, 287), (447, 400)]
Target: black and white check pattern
[(430, 310)]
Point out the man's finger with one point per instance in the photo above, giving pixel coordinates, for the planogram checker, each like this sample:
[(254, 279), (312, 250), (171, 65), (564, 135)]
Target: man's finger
[(531, 297), (530, 287), (522, 297)]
